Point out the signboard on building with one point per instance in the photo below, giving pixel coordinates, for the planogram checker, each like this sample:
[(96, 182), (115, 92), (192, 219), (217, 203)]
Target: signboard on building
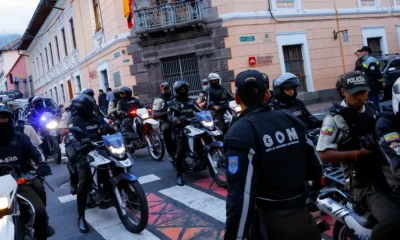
[(117, 79), (125, 60), (267, 38), (260, 60), (117, 54), (247, 38)]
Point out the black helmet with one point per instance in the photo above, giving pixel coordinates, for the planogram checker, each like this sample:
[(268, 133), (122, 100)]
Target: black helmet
[(116, 94), (88, 91), (127, 91), (30, 100), (82, 106), (164, 85), (181, 89), (266, 79), (285, 80), (37, 103), (6, 128)]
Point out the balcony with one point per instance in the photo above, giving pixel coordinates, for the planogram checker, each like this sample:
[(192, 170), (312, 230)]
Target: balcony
[(169, 16)]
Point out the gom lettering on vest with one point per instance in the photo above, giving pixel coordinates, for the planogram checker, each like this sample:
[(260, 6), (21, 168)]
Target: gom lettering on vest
[(280, 138)]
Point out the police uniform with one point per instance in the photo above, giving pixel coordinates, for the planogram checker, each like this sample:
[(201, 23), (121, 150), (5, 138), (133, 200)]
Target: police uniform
[(65, 120), (346, 129), (269, 159), (160, 106)]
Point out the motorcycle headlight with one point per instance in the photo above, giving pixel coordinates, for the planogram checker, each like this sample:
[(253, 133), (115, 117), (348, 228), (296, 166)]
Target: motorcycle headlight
[(118, 152), (3, 203), (208, 124), (43, 119), (52, 125), (145, 116)]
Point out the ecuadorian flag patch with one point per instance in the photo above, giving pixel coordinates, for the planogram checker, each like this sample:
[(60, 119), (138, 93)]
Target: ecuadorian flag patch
[(327, 130), (392, 137)]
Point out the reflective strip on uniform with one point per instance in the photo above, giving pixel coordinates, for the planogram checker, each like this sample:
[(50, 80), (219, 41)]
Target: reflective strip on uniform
[(380, 80), (365, 65), (246, 197)]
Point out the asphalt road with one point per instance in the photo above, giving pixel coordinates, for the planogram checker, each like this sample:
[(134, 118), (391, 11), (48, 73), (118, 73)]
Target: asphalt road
[(195, 211)]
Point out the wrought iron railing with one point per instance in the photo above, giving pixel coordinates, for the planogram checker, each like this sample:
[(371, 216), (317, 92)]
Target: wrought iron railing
[(168, 14)]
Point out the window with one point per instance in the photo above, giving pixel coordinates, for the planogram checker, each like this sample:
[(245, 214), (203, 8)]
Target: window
[(71, 25), (78, 83), (57, 48), (104, 79), (11, 78), (285, 3), (96, 12), (51, 55), (294, 63), (366, 3), (56, 94), (375, 45), (47, 58), (45, 93), (42, 61), (34, 69), (62, 92), (64, 41), (37, 67)]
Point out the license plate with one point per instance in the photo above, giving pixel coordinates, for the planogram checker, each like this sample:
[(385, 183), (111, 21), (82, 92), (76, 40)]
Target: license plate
[(53, 133)]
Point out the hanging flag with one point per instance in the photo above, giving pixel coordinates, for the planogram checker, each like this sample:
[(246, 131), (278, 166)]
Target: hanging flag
[(128, 14)]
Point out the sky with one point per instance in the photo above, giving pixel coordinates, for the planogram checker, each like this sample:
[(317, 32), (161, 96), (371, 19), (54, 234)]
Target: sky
[(15, 15)]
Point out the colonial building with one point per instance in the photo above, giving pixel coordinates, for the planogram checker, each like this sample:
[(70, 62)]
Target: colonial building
[(77, 44), (8, 57), (173, 40)]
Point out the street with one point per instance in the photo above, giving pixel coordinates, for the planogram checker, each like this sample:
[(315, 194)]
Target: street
[(195, 211)]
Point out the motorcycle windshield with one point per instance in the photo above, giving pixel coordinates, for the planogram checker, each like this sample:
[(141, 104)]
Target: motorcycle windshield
[(204, 116), (45, 117), (115, 140)]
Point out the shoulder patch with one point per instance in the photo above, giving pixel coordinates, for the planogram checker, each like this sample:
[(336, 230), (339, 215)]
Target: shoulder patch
[(392, 137), (327, 130), (233, 164)]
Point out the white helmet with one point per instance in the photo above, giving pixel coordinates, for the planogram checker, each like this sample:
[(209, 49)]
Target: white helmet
[(214, 76), (396, 96)]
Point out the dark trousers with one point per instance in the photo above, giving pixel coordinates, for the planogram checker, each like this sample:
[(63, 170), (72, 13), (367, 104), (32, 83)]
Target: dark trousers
[(384, 209), (167, 136), (298, 224), (35, 193), (180, 153), (374, 97), (85, 184)]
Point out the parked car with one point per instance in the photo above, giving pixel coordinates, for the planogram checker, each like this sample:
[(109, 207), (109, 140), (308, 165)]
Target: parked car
[(390, 68)]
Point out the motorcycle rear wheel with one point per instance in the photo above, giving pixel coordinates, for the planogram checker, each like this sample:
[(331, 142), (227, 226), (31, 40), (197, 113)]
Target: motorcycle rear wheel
[(136, 202), (157, 141), (342, 232)]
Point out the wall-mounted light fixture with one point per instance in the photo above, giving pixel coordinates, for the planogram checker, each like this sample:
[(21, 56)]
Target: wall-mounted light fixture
[(335, 34)]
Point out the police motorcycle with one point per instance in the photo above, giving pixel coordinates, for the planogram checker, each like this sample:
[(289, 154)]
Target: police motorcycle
[(149, 135), (46, 128), (203, 150), (17, 214), (232, 113), (353, 221), (113, 185)]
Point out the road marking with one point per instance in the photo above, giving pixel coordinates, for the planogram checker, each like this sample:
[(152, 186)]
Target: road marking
[(142, 180), (107, 223), (148, 178), (197, 200)]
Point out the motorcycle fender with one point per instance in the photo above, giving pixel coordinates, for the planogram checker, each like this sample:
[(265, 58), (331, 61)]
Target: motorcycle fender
[(126, 176), (7, 227), (151, 122), (213, 145)]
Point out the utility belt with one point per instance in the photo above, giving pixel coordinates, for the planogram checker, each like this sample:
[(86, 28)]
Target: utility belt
[(272, 205)]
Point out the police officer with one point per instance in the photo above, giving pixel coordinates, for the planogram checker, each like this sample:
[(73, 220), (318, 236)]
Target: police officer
[(348, 137), (89, 92), (83, 117), (112, 107), (388, 134), (285, 97), (160, 111), (125, 105), (16, 149), (266, 198), (201, 98), (220, 97), (180, 109), (370, 67)]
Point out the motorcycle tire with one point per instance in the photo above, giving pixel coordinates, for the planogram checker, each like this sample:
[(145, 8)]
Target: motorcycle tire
[(220, 182), (160, 155), (135, 193), (342, 232), (56, 150)]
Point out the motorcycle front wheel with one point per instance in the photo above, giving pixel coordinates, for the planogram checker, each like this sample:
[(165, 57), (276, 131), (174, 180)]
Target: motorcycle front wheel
[(342, 232), (219, 177), (137, 210), (157, 148), (56, 150)]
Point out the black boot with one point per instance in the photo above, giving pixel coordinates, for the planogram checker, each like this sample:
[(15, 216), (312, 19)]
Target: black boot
[(179, 180), (73, 188), (82, 224), (50, 231)]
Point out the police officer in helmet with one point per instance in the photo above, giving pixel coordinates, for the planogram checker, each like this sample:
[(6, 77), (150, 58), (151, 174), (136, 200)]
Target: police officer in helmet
[(266, 198), (125, 106), (92, 124), (201, 98), (348, 137), (89, 92), (180, 109), (160, 111), (285, 93), (17, 150)]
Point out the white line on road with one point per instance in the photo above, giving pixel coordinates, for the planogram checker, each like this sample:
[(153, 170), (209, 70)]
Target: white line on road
[(198, 200), (107, 223), (142, 180)]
